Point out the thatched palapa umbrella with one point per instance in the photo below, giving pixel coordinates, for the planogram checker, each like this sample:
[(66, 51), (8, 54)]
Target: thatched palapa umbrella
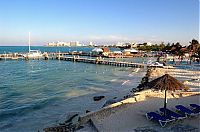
[(166, 82)]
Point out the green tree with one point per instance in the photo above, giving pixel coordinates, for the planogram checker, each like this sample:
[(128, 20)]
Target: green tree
[(193, 47)]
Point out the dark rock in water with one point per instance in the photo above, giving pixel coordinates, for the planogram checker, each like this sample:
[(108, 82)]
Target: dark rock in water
[(140, 85), (128, 96), (114, 97), (61, 124), (71, 118), (134, 90), (87, 111), (80, 127), (66, 117), (141, 88), (109, 102), (97, 98), (68, 124)]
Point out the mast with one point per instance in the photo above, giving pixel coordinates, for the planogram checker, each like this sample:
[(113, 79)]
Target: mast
[(29, 42)]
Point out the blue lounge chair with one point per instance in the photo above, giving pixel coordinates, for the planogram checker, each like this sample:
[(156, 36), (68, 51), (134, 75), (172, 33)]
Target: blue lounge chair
[(186, 111), (161, 119), (172, 114), (195, 106)]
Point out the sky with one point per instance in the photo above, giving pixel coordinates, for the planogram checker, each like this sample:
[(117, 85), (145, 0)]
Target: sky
[(100, 21)]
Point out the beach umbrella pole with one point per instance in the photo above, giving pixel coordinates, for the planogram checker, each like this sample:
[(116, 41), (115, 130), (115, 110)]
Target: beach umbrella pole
[(165, 83), (165, 102)]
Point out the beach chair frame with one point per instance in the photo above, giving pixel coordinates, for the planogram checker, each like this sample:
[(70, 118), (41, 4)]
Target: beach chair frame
[(195, 107), (188, 112), (172, 114), (161, 122)]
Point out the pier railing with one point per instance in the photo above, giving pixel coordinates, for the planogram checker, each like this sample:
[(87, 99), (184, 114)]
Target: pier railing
[(103, 62), (74, 58)]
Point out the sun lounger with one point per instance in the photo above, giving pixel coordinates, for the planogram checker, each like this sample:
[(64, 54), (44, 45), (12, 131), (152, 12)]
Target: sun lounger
[(186, 111), (161, 119), (195, 107), (172, 114)]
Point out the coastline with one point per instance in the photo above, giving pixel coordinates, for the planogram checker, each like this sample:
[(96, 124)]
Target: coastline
[(129, 113), (63, 96)]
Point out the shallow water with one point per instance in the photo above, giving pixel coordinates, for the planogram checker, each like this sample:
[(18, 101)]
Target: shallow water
[(37, 93)]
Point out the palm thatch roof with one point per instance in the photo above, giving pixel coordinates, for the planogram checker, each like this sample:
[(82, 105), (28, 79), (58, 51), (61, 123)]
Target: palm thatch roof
[(166, 82)]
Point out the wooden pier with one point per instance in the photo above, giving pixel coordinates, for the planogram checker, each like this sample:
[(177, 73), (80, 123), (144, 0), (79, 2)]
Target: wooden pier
[(103, 62), (75, 58)]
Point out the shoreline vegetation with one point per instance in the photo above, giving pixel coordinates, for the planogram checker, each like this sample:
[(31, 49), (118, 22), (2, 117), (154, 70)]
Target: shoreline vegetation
[(128, 113), (174, 52)]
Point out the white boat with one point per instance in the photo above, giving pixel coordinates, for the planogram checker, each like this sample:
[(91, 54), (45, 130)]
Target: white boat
[(33, 54), (156, 64), (132, 51)]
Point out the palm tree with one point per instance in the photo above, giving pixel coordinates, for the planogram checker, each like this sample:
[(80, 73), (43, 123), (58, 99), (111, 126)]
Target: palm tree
[(194, 45), (175, 48)]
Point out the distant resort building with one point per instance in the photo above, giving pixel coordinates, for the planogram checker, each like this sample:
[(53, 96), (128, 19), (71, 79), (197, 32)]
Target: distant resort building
[(91, 44), (124, 45), (68, 44), (75, 43), (130, 51), (97, 51), (149, 44), (105, 52)]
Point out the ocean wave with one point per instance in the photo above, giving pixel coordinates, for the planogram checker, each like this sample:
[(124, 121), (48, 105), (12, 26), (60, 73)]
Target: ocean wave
[(113, 80), (126, 81)]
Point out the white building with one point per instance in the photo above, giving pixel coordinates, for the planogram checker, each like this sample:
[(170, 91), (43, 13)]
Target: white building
[(119, 44), (75, 43), (130, 51), (52, 44), (134, 45), (90, 43), (149, 44), (63, 43), (72, 43)]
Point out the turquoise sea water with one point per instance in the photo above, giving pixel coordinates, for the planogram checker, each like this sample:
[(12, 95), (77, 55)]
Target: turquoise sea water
[(7, 49), (37, 93), (12, 49)]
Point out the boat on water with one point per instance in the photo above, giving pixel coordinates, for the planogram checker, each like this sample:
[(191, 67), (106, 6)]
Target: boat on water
[(33, 54), (155, 64)]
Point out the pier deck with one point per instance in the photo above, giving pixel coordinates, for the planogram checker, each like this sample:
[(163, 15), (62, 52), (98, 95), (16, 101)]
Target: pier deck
[(103, 62), (62, 56)]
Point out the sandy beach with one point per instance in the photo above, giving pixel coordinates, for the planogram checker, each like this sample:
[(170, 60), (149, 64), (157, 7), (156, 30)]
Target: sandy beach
[(129, 114), (189, 78)]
